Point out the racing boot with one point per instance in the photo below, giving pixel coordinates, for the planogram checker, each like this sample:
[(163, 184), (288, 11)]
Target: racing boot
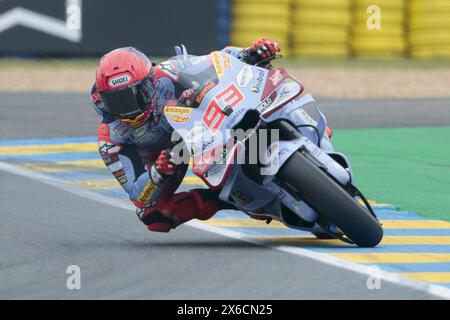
[(199, 204)]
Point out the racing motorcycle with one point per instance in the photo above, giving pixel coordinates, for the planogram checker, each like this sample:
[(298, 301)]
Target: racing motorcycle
[(296, 178)]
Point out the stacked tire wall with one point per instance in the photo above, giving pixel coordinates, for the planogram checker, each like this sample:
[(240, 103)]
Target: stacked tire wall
[(429, 28), (346, 28), (388, 39), (321, 28), (254, 19)]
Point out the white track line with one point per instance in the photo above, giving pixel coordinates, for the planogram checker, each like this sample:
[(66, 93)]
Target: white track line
[(436, 290)]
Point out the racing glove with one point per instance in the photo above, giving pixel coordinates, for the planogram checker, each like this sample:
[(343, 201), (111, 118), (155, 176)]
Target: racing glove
[(260, 50), (187, 97), (162, 167), (194, 96)]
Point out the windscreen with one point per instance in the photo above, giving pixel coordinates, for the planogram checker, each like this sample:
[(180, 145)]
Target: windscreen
[(194, 71)]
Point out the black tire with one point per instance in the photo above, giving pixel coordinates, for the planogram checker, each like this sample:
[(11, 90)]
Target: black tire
[(330, 200)]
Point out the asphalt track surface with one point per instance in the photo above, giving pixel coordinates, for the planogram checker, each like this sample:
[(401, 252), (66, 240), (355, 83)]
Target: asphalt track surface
[(39, 115), (44, 229)]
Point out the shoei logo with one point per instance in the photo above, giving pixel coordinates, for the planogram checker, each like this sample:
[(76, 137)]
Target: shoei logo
[(120, 80)]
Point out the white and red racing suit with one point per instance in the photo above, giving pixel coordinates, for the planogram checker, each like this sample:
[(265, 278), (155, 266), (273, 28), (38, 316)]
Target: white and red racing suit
[(129, 152)]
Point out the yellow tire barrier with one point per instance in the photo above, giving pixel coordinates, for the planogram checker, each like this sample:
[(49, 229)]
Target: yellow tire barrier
[(325, 51), (330, 4), (387, 17), (252, 24), (430, 52), (250, 21), (378, 54), (427, 6), (434, 21), (262, 2), (319, 35), (430, 38), (245, 39), (380, 44), (390, 40), (383, 4), (387, 32), (429, 29), (338, 28), (256, 10), (322, 17), (321, 28)]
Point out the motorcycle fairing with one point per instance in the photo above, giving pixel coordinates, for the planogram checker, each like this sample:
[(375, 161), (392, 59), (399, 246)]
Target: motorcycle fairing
[(214, 171), (280, 88), (230, 94), (295, 113), (245, 194), (283, 150), (267, 200)]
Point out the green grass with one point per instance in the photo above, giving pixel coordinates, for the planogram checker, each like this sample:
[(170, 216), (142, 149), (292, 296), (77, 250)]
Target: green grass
[(406, 167)]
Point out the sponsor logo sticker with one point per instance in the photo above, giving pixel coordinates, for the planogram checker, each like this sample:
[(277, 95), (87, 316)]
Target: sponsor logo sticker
[(205, 90), (119, 174), (116, 166), (276, 77), (266, 103), (259, 79), (110, 159), (119, 80), (147, 193), (226, 61), (217, 63), (244, 76), (180, 119), (232, 121), (107, 148), (178, 111)]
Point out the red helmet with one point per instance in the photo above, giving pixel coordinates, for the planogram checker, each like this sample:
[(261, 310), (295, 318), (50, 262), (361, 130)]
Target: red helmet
[(125, 83)]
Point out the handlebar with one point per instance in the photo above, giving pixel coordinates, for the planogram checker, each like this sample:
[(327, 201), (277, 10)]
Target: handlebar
[(268, 59)]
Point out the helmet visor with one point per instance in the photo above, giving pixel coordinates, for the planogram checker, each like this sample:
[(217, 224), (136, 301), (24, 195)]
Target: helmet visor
[(129, 102)]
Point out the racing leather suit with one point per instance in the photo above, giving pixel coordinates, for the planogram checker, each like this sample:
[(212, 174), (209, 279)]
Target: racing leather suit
[(129, 152)]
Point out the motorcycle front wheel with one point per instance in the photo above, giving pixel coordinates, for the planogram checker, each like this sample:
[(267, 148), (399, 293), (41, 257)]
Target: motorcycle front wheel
[(330, 200)]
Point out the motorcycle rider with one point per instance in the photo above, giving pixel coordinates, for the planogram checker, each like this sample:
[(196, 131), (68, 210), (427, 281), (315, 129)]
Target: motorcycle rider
[(134, 137)]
